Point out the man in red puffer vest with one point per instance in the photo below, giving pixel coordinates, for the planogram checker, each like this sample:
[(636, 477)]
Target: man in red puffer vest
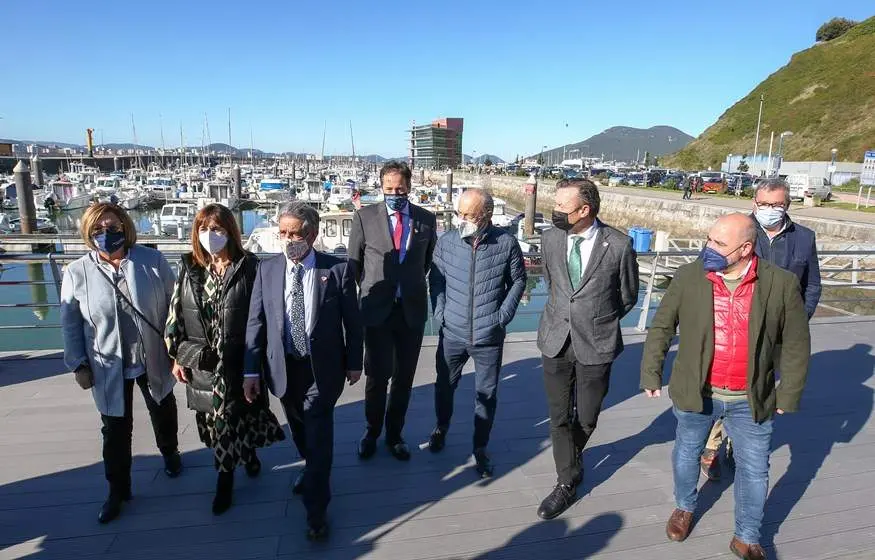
[(731, 309)]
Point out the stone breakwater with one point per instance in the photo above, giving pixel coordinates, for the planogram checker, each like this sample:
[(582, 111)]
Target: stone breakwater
[(680, 218)]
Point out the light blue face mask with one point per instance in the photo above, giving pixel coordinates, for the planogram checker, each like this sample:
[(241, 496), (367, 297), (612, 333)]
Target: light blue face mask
[(770, 217)]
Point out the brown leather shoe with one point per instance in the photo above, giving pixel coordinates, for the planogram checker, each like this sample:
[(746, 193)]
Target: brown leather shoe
[(747, 551), (679, 525)]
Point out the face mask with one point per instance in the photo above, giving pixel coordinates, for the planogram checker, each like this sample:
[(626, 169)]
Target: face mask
[(212, 241), (468, 229), (396, 202), (109, 242), (713, 261), (770, 217), (296, 250), (560, 220)]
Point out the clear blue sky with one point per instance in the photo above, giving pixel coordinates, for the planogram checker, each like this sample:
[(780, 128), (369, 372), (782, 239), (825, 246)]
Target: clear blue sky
[(516, 71)]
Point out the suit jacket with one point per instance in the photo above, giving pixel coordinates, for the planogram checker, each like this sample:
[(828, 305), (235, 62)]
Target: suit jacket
[(335, 328), (590, 314), (776, 315), (378, 268)]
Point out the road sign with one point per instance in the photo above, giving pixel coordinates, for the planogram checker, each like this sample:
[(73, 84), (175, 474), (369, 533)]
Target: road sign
[(867, 177)]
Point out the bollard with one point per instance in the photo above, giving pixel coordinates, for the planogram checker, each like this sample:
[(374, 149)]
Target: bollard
[(531, 195), (156, 229), (422, 176), (36, 167), (180, 231), (235, 180), (450, 188), (24, 191)]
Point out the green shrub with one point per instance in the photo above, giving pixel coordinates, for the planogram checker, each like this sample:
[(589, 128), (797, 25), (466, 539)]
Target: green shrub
[(834, 28)]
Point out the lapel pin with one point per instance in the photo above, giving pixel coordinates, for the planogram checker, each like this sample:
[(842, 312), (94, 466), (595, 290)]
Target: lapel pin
[(604, 243), (324, 279)]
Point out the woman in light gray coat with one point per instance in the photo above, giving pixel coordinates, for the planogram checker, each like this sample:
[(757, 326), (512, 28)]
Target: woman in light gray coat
[(113, 301)]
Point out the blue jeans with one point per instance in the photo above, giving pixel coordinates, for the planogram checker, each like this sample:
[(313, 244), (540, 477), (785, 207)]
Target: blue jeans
[(751, 443), (452, 355)]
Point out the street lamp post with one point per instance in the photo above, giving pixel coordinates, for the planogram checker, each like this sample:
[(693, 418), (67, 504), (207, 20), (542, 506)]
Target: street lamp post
[(832, 163), (781, 148)]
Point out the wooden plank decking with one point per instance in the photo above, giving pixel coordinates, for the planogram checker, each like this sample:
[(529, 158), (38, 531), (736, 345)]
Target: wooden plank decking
[(821, 503)]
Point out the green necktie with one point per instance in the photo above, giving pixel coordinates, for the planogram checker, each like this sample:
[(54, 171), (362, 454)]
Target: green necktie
[(574, 264)]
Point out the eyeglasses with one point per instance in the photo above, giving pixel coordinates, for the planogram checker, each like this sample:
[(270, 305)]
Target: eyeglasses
[(110, 229), (469, 217), (767, 205)]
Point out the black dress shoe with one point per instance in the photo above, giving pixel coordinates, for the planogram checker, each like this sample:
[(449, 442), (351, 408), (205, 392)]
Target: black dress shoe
[(224, 490), (298, 486), (484, 465), (172, 464), (367, 447), (561, 498), (253, 468), (112, 507), (317, 532), (437, 440), (399, 450)]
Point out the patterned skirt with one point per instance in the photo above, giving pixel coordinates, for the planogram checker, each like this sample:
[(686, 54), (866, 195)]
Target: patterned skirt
[(235, 428)]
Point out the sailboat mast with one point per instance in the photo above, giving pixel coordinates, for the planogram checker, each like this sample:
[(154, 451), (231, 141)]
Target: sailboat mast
[(352, 140), (324, 129), (136, 146)]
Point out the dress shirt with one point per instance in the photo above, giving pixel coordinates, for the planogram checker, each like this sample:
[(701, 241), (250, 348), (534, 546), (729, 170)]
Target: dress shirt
[(586, 246), (309, 263), (405, 234)]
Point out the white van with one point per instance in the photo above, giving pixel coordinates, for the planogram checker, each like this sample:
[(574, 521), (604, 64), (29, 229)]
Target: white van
[(802, 185)]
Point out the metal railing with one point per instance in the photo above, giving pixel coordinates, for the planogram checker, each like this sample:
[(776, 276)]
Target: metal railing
[(839, 269)]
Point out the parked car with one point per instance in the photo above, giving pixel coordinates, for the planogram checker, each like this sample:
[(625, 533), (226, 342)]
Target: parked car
[(713, 182), (802, 185), (740, 184)]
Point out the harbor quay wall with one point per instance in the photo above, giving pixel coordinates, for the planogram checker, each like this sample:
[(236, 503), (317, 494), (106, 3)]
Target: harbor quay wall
[(680, 218)]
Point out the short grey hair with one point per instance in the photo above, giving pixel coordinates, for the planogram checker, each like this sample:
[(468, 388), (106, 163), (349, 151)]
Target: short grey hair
[(586, 191), (750, 231), (485, 197), (774, 184), (302, 211)]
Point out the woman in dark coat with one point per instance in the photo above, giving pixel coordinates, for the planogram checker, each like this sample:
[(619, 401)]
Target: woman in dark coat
[(205, 335)]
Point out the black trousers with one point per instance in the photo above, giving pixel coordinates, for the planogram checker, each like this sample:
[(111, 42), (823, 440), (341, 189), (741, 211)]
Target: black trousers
[(117, 432), (311, 419), (568, 383), (391, 353)]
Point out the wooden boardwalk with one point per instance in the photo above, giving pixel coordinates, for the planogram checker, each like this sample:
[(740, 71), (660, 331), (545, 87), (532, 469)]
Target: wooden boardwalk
[(821, 505)]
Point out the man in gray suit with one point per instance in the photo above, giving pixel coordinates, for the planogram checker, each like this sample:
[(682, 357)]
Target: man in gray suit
[(304, 338), (391, 247), (592, 274)]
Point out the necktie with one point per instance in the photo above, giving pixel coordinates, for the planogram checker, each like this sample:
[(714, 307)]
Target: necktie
[(574, 262), (399, 230), (295, 309)]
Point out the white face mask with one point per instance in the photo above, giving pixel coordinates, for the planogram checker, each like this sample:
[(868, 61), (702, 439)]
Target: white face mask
[(295, 250), (770, 217), (468, 229), (212, 241)]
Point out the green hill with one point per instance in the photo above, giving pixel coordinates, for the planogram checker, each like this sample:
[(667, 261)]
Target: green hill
[(825, 95)]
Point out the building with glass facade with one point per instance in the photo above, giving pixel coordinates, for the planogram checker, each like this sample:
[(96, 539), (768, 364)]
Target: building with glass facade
[(437, 145)]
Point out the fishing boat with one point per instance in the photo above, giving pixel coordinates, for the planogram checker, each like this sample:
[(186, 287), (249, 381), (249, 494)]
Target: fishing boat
[(334, 231), (64, 195), (176, 215)]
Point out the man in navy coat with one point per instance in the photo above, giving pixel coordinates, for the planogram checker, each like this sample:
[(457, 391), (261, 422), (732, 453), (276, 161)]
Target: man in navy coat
[(304, 339)]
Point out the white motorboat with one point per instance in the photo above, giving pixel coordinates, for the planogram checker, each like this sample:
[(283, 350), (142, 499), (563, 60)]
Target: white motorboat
[(177, 215), (64, 195), (334, 231)]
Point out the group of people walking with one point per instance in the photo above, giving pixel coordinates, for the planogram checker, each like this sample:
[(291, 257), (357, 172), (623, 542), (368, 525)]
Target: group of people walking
[(304, 323)]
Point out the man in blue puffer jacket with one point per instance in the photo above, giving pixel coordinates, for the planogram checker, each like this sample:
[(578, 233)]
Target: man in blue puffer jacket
[(476, 281)]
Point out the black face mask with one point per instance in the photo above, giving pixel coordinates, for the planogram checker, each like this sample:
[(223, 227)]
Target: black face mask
[(560, 220)]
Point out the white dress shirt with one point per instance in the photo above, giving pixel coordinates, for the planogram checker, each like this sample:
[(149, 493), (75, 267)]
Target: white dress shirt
[(586, 247), (309, 278)]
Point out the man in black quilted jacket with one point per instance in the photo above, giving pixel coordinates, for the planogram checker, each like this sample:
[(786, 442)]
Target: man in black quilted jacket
[(476, 281)]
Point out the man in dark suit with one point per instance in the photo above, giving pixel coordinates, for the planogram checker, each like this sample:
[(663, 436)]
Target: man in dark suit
[(304, 337), (592, 274), (391, 247)]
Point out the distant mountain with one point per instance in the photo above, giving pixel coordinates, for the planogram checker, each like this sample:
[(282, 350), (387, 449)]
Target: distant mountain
[(481, 159), (622, 143), (40, 143), (126, 147), (824, 96)]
